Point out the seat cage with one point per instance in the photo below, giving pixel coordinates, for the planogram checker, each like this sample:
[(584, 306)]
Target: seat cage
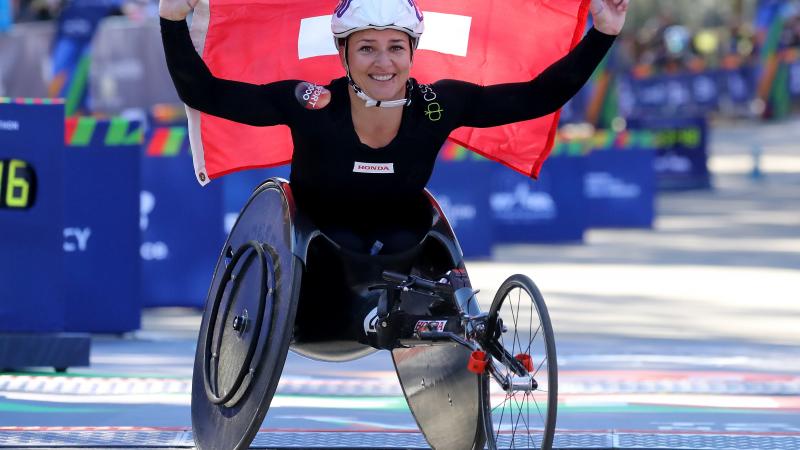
[(336, 280)]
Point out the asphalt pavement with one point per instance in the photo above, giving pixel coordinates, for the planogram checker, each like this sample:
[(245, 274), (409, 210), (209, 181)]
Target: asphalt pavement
[(687, 332)]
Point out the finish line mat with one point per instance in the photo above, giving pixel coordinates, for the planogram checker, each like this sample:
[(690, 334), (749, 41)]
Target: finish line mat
[(130, 437)]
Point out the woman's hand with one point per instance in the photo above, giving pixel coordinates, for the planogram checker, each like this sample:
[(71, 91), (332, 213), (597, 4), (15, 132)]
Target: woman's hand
[(175, 9), (609, 15)]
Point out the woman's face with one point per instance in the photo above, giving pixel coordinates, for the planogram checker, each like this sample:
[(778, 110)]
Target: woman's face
[(380, 61)]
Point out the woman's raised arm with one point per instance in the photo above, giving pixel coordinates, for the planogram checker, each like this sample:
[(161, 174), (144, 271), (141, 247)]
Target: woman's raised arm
[(550, 90), (252, 104)]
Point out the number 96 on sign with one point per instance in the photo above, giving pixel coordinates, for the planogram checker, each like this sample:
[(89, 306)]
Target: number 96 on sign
[(17, 184)]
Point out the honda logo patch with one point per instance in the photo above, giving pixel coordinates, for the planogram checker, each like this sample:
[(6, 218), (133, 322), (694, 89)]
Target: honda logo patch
[(362, 167)]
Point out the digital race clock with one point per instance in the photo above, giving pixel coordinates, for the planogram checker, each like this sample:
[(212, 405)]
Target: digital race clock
[(17, 184)]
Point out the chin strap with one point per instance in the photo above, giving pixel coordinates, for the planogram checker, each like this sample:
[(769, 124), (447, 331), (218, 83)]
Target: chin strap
[(371, 102)]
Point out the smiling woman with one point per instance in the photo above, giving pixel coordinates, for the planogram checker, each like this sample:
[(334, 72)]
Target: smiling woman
[(377, 114)]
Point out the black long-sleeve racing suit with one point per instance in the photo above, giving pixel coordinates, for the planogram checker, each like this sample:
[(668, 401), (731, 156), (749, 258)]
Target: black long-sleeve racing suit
[(342, 183)]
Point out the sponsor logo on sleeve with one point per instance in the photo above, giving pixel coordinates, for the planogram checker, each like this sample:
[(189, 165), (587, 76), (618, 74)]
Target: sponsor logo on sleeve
[(433, 110), (312, 96)]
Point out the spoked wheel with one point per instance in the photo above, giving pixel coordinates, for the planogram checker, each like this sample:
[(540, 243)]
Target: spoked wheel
[(522, 415)]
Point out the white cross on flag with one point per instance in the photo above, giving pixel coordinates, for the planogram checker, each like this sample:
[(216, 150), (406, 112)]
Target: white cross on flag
[(481, 41)]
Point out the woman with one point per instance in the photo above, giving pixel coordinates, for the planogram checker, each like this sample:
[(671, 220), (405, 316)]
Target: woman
[(365, 144)]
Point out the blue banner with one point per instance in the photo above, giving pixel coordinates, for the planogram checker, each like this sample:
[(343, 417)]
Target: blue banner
[(574, 111), (687, 94), (619, 186), (738, 86), (237, 188), (794, 79), (681, 151), (101, 228), (181, 223), (460, 187), (31, 222), (550, 209)]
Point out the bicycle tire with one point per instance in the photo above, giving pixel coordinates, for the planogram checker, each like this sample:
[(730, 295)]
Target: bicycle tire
[(503, 416)]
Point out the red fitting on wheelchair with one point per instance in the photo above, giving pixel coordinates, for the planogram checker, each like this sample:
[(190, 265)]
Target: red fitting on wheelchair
[(526, 361), (477, 362)]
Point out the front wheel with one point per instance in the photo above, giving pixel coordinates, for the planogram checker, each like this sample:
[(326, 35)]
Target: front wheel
[(522, 415)]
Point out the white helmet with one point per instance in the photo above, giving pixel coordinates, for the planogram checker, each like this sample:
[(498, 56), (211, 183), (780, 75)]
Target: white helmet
[(356, 15)]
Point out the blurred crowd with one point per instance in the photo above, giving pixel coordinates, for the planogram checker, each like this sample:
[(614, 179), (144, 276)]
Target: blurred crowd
[(34, 10), (43, 10), (791, 34), (664, 41), (666, 44)]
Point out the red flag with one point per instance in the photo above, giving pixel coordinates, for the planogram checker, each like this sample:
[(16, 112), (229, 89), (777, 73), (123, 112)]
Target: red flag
[(485, 42)]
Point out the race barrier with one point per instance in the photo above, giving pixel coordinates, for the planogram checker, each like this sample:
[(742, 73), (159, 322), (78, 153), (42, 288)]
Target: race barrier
[(578, 189), (794, 78), (487, 203), (33, 301), (604, 180), (694, 94), (101, 234), (619, 180), (237, 188), (607, 180), (181, 222), (548, 210), (460, 183), (31, 216), (681, 145), (619, 188)]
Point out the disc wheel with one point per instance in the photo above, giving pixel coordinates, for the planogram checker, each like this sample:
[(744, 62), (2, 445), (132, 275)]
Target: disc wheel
[(247, 324), (241, 350), (524, 415)]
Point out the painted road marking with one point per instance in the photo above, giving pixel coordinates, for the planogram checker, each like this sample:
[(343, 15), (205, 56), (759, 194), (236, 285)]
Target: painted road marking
[(401, 439), (385, 384), (372, 402)]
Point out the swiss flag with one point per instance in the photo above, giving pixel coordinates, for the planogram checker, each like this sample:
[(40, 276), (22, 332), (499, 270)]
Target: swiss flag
[(482, 41)]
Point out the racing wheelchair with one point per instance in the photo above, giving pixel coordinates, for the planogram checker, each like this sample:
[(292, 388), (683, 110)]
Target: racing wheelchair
[(473, 379)]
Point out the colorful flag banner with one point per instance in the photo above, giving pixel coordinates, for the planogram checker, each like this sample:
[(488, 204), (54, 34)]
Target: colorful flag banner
[(486, 42), (115, 132)]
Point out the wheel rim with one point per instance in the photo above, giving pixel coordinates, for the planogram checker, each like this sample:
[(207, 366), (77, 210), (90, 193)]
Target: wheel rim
[(237, 381), (523, 418)]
